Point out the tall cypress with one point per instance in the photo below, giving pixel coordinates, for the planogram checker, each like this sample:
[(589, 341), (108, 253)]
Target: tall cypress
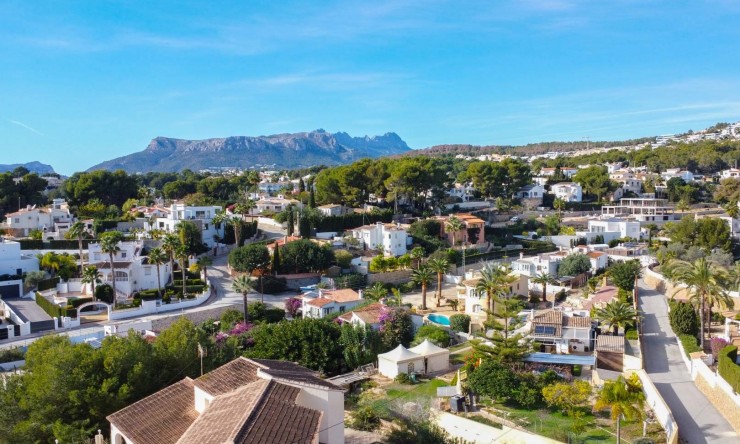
[(276, 260)]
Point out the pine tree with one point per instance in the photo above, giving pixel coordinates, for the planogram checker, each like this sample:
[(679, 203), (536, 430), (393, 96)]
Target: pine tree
[(276, 260)]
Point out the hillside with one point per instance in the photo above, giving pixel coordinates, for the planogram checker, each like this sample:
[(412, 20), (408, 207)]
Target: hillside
[(34, 167), (281, 151)]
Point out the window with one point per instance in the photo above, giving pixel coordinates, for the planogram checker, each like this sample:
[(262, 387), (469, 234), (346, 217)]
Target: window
[(123, 255), (544, 330), (148, 271)]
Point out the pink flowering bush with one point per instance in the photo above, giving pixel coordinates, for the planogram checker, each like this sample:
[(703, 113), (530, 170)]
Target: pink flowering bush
[(293, 306), (240, 328), (717, 345)]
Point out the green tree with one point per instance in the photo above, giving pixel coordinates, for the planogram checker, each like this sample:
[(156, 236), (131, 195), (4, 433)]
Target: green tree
[(622, 398), (624, 273), (249, 259), (190, 236), (543, 279), (202, 264), (170, 243), (182, 255), (684, 320), (375, 292), (704, 281), (439, 266), (417, 254), (157, 257), (276, 263), (312, 343), (568, 397), (493, 379), (434, 333), (422, 276), (574, 265), (91, 275), (109, 244), (617, 314), (455, 226), (77, 231), (242, 284), (305, 256), (360, 344), (594, 180)]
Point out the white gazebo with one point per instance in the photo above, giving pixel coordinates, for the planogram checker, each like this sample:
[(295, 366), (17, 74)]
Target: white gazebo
[(399, 360), (435, 357)]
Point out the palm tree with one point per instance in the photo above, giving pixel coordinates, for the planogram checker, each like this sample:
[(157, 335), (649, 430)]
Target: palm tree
[(454, 225), (182, 255), (559, 204), (705, 281), (623, 399), (492, 283), (76, 231), (543, 279), (417, 254), (422, 276), (157, 257), (203, 263), (170, 243), (376, 292), (109, 244), (91, 275), (242, 284), (439, 266), (617, 314)]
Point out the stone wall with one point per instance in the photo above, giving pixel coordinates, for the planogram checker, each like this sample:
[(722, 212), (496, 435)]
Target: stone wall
[(727, 404)]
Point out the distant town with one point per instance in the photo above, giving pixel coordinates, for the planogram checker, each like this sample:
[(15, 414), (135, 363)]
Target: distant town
[(578, 296)]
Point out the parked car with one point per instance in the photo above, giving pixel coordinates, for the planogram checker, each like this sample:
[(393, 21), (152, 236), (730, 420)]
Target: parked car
[(515, 219)]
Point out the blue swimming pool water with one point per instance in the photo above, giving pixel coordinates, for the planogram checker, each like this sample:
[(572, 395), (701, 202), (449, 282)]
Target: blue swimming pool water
[(439, 319)]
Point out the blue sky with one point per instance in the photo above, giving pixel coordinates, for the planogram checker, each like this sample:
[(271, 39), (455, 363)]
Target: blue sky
[(82, 82)]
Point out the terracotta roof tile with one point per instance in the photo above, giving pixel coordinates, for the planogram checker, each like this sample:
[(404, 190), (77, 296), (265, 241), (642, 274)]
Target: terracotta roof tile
[(369, 314), (228, 377), (161, 418), (291, 372), (319, 302), (343, 295), (576, 322), (610, 343)]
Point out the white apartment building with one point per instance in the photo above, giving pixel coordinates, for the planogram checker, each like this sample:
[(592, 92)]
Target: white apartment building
[(53, 220), (131, 270), (391, 239), (542, 263), (202, 216), (567, 191)]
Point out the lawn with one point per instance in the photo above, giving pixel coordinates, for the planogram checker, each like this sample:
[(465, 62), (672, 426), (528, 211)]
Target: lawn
[(555, 425), (381, 399), (460, 346)]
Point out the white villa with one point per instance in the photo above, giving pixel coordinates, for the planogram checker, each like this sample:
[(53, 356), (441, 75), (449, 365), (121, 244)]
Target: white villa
[(132, 271), (202, 216), (542, 263), (391, 239), (475, 301), (567, 191), (612, 228), (563, 331), (670, 173), (53, 220), (14, 262), (276, 204), (325, 302)]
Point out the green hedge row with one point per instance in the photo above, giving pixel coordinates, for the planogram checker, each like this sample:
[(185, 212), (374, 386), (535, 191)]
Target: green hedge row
[(728, 368), (353, 220), (79, 301), (48, 284), (178, 282), (50, 308), (61, 244)]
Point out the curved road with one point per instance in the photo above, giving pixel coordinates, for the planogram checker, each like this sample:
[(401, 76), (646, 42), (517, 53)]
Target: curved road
[(698, 420)]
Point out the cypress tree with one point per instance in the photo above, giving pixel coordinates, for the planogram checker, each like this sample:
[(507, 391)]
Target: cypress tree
[(276, 260)]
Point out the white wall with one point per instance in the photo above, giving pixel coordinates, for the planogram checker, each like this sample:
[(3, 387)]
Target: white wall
[(658, 405), (331, 402)]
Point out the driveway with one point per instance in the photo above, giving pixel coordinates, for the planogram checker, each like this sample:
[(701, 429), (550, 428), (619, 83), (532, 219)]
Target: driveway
[(698, 420)]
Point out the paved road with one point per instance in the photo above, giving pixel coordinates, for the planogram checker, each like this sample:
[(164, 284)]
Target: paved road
[(698, 420)]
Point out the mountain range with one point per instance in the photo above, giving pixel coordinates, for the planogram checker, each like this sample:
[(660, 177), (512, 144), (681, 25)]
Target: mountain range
[(33, 167), (280, 151)]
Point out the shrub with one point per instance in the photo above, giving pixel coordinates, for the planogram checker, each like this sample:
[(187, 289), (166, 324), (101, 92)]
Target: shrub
[(273, 285), (48, 284), (728, 368), (689, 343), (684, 320), (434, 333), (12, 354), (717, 344), (631, 335), (364, 419), (343, 258), (402, 378), (460, 322), (561, 296), (50, 308), (104, 293), (79, 301)]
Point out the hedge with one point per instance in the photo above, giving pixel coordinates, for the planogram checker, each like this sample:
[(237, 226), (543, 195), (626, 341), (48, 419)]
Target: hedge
[(79, 301), (728, 368), (10, 277), (61, 244), (689, 343), (48, 284), (353, 220), (178, 282), (50, 308)]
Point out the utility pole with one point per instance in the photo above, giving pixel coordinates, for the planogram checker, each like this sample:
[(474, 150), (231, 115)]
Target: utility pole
[(201, 354)]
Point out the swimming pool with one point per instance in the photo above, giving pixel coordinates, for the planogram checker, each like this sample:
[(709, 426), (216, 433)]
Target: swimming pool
[(439, 319)]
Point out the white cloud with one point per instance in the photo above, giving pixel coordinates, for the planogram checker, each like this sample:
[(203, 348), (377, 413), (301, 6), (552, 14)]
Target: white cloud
[(23, 125)]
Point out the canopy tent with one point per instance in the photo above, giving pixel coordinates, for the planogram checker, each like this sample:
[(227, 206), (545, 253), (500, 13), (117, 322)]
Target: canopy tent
[(435, 358), (399, 360)]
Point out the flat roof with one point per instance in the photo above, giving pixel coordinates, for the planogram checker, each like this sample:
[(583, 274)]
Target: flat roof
[(27, 309), (549, 358)]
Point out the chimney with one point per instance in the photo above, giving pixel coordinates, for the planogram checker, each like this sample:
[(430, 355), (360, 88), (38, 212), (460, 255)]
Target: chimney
[(360, 293), (521, 255)]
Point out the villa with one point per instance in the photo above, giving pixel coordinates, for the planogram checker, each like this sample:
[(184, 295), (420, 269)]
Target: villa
[(326, 302), (391, 239), (132, 270), (52, 221)]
